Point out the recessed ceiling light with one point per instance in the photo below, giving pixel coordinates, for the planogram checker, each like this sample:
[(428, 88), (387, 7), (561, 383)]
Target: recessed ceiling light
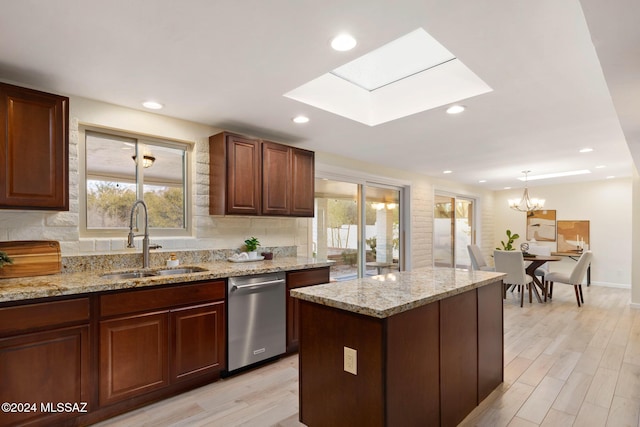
[(456, 109), (610, 177), (555, 175), (600, 167), (507, 188), (300, 119), (482, 180), (343, 42), (152, 105), (586, 150), (447, 171)]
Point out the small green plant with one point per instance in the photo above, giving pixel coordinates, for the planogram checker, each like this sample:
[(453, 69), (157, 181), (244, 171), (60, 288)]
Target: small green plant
[(510, 239), (4, 259), (251, 244)]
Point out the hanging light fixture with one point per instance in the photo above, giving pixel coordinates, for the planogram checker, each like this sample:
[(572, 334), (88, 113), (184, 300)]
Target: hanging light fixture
[(526, 203), (147, 160)]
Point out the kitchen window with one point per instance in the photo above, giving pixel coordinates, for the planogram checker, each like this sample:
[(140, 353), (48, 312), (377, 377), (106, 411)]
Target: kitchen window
[(121, 168)]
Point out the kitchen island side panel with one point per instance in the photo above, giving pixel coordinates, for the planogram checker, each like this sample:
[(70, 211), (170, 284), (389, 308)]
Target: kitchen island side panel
[(330, 396), (413, 367), (458, 357), (490, 339)]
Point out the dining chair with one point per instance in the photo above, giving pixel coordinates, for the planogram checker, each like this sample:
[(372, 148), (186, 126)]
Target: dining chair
[(477, 259), (540, 250), (574, 279), (512, 263)]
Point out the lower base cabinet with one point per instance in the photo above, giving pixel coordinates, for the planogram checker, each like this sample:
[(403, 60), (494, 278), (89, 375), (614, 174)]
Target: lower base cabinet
[(45, 362), (146, 351), (298, 279), (198, 335), (133, 356)]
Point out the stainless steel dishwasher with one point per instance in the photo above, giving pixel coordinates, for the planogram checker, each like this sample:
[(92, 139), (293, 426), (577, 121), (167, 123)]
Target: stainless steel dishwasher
[(256, 319)]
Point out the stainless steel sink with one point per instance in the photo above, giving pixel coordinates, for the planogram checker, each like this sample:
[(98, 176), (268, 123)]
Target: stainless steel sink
[(128, 275), (184, 270)]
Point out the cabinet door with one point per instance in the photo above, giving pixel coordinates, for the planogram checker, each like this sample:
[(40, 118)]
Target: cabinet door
[(34, 142), (297, 279), (44, 368), (133, 356), (243, 176), (276, 179), (302, 182), (198, 336)]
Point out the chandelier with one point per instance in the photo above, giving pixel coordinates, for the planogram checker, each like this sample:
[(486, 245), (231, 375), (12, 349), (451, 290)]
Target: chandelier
[(526, 203)]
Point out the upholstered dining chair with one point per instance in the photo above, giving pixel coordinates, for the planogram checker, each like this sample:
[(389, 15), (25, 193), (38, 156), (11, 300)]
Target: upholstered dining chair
[(574, 279), (540, 250), (477, 259), (512, 263)]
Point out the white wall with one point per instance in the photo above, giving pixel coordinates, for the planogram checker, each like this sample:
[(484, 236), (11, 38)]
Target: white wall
[(606, 204)]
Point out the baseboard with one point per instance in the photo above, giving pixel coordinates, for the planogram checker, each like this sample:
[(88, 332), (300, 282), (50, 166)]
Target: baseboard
[(611, 285)]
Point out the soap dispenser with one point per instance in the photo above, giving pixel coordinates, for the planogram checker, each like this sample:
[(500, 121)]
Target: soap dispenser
[(173, 261)]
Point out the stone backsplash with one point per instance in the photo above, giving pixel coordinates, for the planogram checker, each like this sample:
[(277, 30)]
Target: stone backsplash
[(108, 262)]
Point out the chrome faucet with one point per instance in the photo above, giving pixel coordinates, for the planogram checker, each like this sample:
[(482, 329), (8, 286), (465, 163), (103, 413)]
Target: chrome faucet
[(145, 240)]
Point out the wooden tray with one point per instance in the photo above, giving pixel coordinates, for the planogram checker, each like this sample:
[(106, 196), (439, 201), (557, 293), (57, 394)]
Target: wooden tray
[(31, 258)]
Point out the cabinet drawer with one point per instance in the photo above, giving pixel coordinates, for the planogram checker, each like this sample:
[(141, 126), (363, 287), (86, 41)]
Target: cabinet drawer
[(47, 314), (152, 299), (316, 276)]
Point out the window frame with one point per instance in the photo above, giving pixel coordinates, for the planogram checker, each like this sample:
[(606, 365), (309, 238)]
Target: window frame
[(187, 146)]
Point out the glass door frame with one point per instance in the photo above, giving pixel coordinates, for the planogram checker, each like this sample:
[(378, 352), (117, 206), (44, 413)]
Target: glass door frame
[(474, 200), (404, 190)]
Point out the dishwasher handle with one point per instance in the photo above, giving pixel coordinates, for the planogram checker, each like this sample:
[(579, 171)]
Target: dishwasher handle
[(257, 285)]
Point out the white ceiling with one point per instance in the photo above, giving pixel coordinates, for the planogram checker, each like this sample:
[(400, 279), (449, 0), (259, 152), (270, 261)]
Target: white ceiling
[(229, 63)]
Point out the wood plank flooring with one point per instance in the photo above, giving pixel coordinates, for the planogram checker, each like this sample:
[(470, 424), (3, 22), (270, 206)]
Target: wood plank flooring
[(564, 366)]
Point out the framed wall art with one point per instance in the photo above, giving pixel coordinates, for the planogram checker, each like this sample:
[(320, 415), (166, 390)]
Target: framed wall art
[(573, 236), (541, 225)]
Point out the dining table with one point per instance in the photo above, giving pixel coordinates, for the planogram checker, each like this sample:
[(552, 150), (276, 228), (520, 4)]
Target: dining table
[(536, 261)]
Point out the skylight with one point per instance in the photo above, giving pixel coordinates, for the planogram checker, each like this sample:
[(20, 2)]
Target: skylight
[(411, 74), (399, 59)]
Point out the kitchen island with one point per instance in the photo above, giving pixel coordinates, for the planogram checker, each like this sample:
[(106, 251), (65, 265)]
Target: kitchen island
[(423, 347)]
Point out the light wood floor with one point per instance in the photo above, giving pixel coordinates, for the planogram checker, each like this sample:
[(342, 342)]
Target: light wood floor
[(564, 366)]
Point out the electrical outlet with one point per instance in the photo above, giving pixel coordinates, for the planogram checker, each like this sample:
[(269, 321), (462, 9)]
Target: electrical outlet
[(351, 360)]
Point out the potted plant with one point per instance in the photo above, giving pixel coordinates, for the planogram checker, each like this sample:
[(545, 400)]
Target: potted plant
[(251, 244), (510, 239), (5, 259)]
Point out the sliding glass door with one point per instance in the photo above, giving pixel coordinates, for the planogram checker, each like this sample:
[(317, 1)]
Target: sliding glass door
[(453, 230), (357, 225)]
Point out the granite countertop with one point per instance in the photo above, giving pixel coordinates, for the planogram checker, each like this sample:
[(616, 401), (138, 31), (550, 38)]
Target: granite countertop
[(25, 288), (388, 294)]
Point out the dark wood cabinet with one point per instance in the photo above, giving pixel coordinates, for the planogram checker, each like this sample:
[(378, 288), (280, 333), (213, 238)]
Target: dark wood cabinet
[(276, 179), (255, 177), (133, 356), (44, 360), (198, 337), (302, 182), (34, 149), (235, 175), (298, 279), (153, 338)]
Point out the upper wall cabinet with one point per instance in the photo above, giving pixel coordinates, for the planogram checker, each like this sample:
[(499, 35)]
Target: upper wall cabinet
[(34, 149), (255, 177)]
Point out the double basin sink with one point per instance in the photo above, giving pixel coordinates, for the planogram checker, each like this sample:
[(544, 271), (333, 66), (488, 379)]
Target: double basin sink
[(150, 273)]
